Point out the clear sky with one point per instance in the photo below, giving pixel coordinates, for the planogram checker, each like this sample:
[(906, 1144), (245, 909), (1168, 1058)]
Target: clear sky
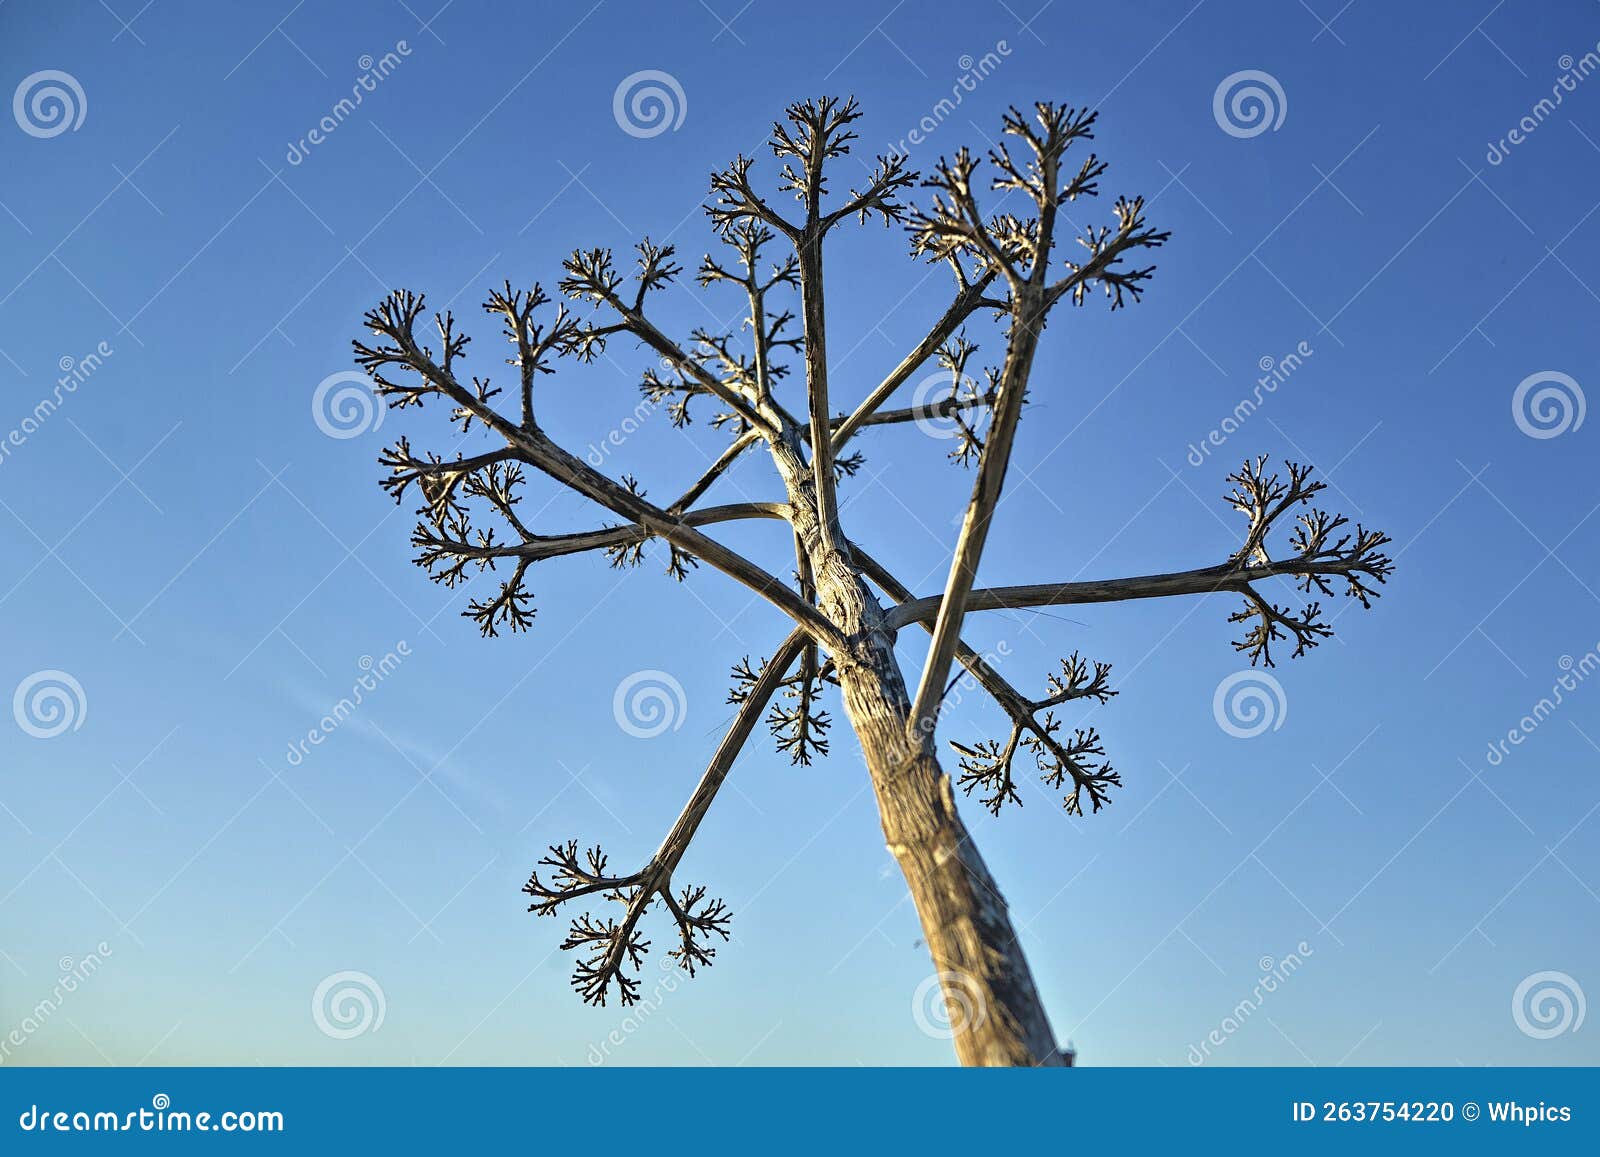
[(181, 538)]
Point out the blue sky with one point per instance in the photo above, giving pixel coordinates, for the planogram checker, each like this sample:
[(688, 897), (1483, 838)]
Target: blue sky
[(182, 539)]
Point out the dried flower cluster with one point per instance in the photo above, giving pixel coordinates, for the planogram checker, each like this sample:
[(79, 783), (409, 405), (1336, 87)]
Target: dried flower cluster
[(764, 383)]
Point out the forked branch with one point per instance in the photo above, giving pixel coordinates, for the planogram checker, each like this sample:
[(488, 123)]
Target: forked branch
[(1021, 251), (1318, 559), (407, 373), (988, 764), (615, 945)]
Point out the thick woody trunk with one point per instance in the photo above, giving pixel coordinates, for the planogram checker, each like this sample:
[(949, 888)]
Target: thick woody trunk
[(994, 1009)]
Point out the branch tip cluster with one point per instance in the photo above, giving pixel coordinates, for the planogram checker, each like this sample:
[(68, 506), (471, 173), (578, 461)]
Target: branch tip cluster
[(1019, 248), (797, 721), (1319, 558), (611, 946), (1076, 760)]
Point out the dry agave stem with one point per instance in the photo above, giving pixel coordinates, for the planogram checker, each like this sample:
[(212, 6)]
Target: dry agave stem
[(997, 225)]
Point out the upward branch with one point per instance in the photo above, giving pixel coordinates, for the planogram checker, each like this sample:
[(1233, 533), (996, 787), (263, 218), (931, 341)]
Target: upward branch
[(989, 765), (1021, 251), (812, 133)]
